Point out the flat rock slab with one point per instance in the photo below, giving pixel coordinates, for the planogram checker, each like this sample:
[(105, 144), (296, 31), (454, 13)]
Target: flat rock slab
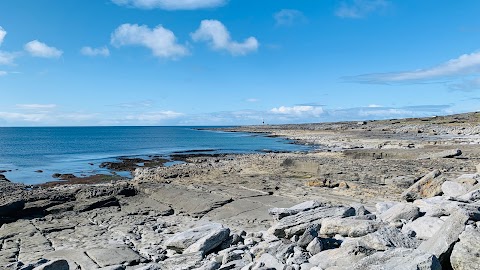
[(400, 211), (114, 256), (424, 227), (183, 261), (443, 154), (195, 203), (74, 257)]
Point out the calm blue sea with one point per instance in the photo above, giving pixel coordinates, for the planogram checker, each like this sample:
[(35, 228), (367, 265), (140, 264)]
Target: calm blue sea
[(74, 149)]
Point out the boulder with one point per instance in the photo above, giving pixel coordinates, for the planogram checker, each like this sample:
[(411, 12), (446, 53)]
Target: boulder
[(383, 206), (424, 227), (399, 212), (466, 253), (54, 265), (279, 213), (310, 233), (315, 246), (386, 238), (441, 242), (453, 189), (443, 154), (468, 179), (399, 259), (345, 256), (471, 196), (433, 207), (428, 186), (296, 224), (348, 227), (209, 241), (183, 240)]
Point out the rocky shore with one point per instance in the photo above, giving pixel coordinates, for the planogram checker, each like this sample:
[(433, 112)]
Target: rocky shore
[(395, 194)]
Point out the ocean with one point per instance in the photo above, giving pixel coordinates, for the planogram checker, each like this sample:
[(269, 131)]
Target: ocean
[(31, 155)]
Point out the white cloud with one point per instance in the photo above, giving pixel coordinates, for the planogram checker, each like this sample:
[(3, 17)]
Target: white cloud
[(89, 51), (161, 41), (298, 111), (3, 73), (171, 4), (466, 64), (465, 85), (39, 49), (27, 117), (36, 106), (3, 33), (357, 9), (252, 100), (7, 58), (289, 17), (217, 35), (152, 117), (374, 106)]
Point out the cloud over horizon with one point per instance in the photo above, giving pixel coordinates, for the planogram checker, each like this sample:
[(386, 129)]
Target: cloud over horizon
[(217, 36), (39, 49), (161, 41), (171, 4), (3, 33)]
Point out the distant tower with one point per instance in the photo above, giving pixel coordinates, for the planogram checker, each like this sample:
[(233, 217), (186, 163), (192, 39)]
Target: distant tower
[(263, 121)]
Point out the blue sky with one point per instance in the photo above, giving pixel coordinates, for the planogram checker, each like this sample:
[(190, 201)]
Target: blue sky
[(227, 62)]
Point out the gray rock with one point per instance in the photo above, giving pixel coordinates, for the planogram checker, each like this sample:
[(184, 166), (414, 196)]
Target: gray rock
[(428, 186), (268, 261), (10, 205), (114, 256), (183, 240), (279, 213), (471, 196), (210, 266), (386, 238), (441, 242), (433, 207), (453, 189), (87, 205), (315, 246), (466, 253), (348, 227), (345, 256), (296, 224), (209, 241), (54, 265), (399, 259), (444, 154), (400, 211), (383, 206), (121, 267), (468, 179), (310, 233), (182, 261), (424, 227)]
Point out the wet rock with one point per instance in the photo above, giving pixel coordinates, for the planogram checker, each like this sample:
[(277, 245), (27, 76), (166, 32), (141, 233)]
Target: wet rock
[(428, 186)]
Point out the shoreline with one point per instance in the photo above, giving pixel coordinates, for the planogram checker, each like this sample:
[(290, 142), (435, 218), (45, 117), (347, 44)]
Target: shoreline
[(324, 209)]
